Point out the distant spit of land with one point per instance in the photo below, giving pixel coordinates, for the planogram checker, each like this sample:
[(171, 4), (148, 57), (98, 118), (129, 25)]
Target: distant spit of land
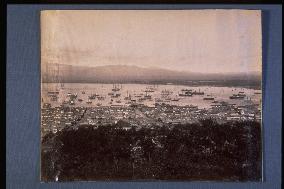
[(53, 73)]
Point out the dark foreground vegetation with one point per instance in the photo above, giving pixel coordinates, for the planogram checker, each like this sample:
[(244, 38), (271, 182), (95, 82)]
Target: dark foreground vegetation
[(205, 151)]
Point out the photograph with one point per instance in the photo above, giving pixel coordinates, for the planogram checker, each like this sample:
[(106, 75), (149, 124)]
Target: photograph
[(151, 95)]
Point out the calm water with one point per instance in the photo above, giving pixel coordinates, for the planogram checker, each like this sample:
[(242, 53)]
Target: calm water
[(219, 93)]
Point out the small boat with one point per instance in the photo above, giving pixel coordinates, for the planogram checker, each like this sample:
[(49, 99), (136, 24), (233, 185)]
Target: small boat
[(80, 100), (115, 95), (89, 101), (101, 98), (54, 98), (115, 89), (141, 99), (237, 96), (187, 93), (138, 95), (240, 95), (99, 104), (175, 99), (147, 97), (166, 92), (186, 90), (150, 90), (168, 99), (158, 100), (52, 92), (118, 101), (208, 98)]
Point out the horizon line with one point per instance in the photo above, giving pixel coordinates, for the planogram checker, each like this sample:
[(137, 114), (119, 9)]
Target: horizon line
[(156, 67)]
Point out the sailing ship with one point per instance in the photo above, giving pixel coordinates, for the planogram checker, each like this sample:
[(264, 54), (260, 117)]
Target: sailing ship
[(116, 87), (240, 95), (198, 92), (128, 96), (93, 96), (186, 93), (147, 96)]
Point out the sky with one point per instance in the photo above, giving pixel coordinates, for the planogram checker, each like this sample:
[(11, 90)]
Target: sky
[(206, 41)]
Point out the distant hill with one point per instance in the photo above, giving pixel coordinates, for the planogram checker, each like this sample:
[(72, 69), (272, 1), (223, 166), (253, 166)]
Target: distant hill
[(124, 73)]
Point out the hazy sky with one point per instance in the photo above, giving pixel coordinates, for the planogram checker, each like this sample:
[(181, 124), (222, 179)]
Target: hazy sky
[(208, 41)]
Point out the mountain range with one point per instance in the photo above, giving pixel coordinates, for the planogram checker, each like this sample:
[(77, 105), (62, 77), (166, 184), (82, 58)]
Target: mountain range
[(126, 73)]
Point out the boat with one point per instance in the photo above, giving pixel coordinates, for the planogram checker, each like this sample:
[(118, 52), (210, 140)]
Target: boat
[(138, 95), (99, 104), (150, 89), (116, 87), (175, 99), (158, 100), (83, 92), (198, 92), (166, 92), (141, 99), (237, 96), (128, 96), (115, 95), (118, 101), (186, 93), (168, 99), (80, 100), (89, 101), (240, 95), (186, 90), (52, 93), (208, 98), (147, 97), (93, 96), (54, 98), (101, 98), (73, 96)]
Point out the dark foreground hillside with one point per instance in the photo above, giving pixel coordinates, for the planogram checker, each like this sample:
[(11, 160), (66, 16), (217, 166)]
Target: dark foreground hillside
[(205, 151)]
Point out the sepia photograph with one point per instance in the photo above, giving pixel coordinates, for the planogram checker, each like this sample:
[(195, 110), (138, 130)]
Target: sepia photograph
[(151, 95)]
